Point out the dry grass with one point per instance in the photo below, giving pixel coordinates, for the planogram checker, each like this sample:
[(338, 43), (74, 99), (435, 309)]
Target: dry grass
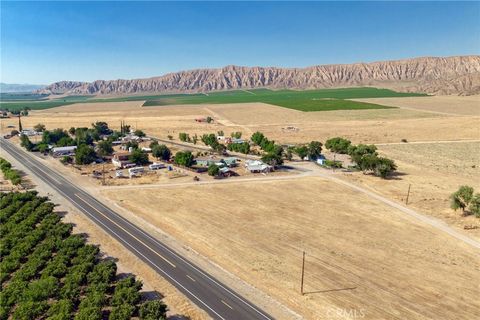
[(469, 105), (435, 171), (258, 230), (368, 126), (400, 269)]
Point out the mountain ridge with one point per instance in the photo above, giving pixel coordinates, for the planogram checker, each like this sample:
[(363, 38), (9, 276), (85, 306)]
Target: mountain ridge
[(458, 75)]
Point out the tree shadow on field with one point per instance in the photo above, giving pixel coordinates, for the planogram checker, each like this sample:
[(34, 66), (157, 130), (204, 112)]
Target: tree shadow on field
[(396, 176), (62, 214), (152, 295), (106, 258)]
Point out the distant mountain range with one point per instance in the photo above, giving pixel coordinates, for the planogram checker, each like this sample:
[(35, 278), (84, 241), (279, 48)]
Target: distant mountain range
[(19, 88), (458, 75)]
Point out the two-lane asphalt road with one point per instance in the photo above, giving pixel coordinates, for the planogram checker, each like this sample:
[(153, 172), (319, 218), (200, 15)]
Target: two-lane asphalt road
[(216, 299)]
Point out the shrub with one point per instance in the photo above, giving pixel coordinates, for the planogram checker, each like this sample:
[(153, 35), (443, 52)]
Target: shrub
[(236, 135), (213, 170), (333, 164), (184, 137)]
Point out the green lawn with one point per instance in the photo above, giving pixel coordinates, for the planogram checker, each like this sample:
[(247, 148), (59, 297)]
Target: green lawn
[(306, 100)]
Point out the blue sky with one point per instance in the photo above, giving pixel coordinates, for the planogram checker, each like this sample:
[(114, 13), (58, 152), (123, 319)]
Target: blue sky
[(45, 42)]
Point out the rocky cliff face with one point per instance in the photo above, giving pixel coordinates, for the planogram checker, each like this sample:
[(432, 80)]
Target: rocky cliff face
[(451, 75)]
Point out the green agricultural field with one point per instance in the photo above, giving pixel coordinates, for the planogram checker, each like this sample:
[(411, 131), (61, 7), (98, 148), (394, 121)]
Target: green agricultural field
[(37, 102), (307, 100), (34, 105), (303, 100)]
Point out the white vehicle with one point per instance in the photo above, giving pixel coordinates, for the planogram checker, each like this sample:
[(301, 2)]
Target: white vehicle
[(135, 171), (156, 166), (119, 174), (145, 149)]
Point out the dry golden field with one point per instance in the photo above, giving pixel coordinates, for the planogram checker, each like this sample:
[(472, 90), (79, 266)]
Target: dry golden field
[(455, 105), (363, 257), (434, 170), (361, 254), (368, 126)]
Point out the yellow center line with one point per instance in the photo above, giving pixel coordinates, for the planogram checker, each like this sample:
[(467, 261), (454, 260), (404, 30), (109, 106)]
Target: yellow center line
[(165, 259), (226, 304), (191, 278)]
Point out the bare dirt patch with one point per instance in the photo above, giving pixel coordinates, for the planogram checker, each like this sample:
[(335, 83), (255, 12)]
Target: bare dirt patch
[(258, 231)]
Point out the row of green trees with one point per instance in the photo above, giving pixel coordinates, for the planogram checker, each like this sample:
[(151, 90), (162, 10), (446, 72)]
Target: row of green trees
[(366, 157), (211, 141), (49, 273), (9, 173)]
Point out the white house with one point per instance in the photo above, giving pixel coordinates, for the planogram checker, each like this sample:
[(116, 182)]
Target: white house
[(257, 166)]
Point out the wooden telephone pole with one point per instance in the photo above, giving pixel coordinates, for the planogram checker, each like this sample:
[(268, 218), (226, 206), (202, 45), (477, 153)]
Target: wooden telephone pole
[(303, 273), (408, 194), (103, 174)]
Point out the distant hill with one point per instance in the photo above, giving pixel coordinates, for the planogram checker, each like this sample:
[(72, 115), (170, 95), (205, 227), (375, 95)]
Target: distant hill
[(434, 75), (19, 88)]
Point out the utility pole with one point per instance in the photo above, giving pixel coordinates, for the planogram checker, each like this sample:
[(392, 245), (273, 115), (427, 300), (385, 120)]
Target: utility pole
[(408, 194), (103, 174), (303, 273)]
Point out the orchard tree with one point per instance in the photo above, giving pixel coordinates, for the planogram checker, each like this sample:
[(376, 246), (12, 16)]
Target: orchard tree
[(153, 310), (461, 198)]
